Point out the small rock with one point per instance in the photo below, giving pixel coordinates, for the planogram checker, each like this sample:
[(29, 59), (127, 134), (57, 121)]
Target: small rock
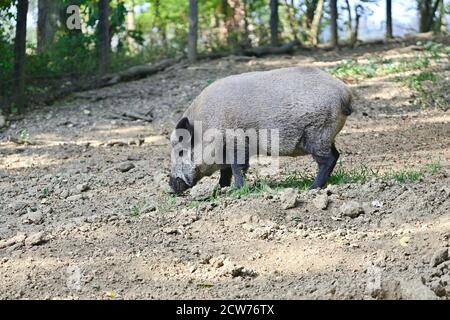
[(201, 191), (33, 217), (438, 288), (217, 262), (76, 197), (321, 202), (171, 231), (377, 204), (17, 239), (439, 257), (416, 290), (125, 167), (83, 187), (352, 209), (35, 239), (64, 194), (289, 199)]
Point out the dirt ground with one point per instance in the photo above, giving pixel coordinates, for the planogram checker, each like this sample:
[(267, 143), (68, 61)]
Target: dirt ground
[(85, 211)]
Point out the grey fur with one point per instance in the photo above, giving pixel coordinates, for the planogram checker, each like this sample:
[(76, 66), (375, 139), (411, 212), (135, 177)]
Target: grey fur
[(307, 105)]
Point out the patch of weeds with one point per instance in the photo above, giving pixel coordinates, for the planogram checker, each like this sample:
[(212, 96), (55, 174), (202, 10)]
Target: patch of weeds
[(45, 192), (342, 176), (24, 136), (256, 188), (353, 69), (135, 211), (412, 175), (167, 203), (296, 180), (433, 168), (415, 82)]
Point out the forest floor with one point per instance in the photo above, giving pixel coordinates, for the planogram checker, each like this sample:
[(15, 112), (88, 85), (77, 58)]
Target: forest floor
[(85, 211)]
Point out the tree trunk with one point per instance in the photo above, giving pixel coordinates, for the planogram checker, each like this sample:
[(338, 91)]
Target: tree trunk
[(427, 12), (48, 17), (19, 55), (358, 13), (349, 22), (274, 21), (131, 25), (442, 18), (291, 19), (315, 27), (104, 37), (389, 32), (193, 30), (334, 25)]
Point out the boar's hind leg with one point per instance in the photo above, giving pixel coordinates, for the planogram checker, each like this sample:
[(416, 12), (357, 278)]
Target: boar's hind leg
[(239, 171), (225, 177), (326, 167)]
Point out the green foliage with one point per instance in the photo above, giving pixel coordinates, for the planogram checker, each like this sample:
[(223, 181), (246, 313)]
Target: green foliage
[(135, 211)]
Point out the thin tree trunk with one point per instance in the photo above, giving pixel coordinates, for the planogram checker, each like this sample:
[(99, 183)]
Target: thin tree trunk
[(442, 18), (291, 19), (358, 12), (193, 30), (315, 27), (19, 55), (274, 21), (334, 26), (349, 22), (104, 37), (48, 17), (131, 25), (389, 30)]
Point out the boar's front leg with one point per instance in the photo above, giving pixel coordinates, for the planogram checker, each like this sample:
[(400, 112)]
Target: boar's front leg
[(225, 177), (326, 167), (239, 171)]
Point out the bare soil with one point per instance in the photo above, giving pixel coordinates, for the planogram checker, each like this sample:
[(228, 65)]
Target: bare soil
[(85, 211)]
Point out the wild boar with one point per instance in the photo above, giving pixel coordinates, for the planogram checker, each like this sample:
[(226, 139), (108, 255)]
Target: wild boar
[(306, 105)]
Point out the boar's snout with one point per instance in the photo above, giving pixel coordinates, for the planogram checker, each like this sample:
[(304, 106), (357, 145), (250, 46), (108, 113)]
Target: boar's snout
[(178, 185)]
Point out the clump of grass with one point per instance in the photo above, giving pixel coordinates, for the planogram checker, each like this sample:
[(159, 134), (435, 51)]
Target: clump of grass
[(24, 136), (415, 82), (135, 211), (342, 176), (167, 203), (403, 176), (258, 187), (353, 69)]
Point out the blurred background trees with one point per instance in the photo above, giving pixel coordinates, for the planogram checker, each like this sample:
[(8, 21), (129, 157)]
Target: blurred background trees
[(41, 47)]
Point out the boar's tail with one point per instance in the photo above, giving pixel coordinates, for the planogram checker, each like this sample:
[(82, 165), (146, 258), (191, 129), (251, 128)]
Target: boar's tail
[(346, 103)]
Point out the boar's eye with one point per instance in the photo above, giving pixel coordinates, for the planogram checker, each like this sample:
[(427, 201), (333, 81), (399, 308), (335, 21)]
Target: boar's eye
[(181, 153), (180, 139)]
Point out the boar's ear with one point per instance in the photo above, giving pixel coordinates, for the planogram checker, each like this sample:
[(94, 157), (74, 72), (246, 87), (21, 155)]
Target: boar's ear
[(185, 124)]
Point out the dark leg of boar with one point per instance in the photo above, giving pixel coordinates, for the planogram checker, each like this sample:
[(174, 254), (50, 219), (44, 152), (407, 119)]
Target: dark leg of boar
[(225, 177), (326, 167), (239, 171)]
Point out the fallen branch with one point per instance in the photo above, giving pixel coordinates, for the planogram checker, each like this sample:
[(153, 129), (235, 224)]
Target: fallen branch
[(135, 116), (287, 48), (138, 72)]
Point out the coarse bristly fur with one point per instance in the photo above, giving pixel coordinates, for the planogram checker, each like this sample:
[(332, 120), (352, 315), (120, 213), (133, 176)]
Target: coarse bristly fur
[(308, 106)]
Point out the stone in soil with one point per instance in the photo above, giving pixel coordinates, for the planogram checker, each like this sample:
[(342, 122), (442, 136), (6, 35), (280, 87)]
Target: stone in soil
[(439, 257), (352, 209), (289, 199), (321, 201), (125, 167)]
